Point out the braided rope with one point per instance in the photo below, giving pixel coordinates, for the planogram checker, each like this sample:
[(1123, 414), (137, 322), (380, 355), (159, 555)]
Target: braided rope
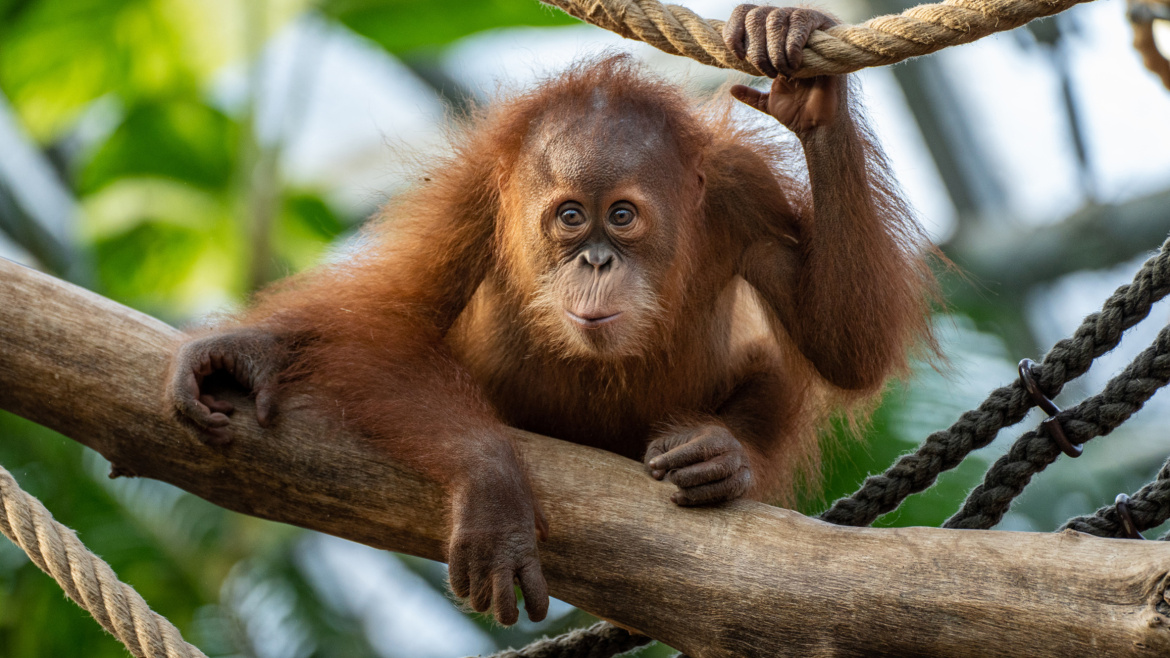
[(601, 640), (86, 578), (1149, 507), (1007, 405), (840, 49), (1035, 450)]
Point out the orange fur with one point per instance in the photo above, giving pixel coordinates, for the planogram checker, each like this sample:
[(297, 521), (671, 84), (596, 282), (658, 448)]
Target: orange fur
[(758, 312)]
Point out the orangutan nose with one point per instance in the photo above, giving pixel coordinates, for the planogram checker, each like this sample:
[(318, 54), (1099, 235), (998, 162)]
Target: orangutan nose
[(600, 257)]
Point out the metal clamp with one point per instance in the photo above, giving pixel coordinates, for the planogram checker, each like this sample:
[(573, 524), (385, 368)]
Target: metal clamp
[(1121, 504), (1052, 424)]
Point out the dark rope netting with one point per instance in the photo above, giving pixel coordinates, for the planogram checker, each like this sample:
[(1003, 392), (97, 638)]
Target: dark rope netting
[(1148, 508), (601, 640), (1036, 449), (1007, 405)]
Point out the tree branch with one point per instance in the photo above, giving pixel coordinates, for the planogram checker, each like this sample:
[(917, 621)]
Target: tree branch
[(745, 579), (1011, 260)]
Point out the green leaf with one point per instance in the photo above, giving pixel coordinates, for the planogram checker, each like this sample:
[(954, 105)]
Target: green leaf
[(58, 55), (403, 25), (313, 215), (179, 140), (305, 228), (145, 265)]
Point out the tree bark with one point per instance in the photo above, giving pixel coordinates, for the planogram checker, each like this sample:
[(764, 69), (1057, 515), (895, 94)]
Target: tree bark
[(744, 579)]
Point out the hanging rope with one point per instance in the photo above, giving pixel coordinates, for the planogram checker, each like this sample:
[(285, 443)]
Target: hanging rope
[(1007, 405), (1035, 450), (840, 49), (86, 578)]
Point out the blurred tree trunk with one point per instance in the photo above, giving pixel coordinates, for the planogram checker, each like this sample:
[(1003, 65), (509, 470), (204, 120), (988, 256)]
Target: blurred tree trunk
[(37, 210)]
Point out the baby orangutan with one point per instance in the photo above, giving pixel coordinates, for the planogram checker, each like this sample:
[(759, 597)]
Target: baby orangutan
[(602, 263)]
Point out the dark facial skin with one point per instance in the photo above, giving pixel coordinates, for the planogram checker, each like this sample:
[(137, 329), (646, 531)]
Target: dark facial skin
[(599, 215), (593, 261), (601, 263)]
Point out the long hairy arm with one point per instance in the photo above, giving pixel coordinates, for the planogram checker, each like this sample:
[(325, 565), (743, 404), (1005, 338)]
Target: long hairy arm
[(364, 338), (853, 290)]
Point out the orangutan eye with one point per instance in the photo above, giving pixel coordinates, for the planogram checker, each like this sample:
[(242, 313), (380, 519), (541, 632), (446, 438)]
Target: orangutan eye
[(571, 215), (622, 215)]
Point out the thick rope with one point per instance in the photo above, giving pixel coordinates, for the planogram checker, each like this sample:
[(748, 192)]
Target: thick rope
[(1068, 359), (601, 640), (1149, 508), (1035, 450), (840, 49), (86, 578)]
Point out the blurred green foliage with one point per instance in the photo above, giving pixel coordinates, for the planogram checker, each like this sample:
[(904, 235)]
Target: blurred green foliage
[(403, 26), (181, 140), (116, 94), (59, 55)]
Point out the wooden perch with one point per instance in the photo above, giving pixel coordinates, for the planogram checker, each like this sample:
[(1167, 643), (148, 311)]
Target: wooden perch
[(745, 579)]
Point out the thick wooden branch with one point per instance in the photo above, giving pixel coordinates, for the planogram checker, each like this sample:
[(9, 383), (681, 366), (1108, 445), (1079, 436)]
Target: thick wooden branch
[(742, 580)]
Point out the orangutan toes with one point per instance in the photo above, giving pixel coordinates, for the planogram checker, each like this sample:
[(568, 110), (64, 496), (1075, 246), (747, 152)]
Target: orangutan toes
[(253, 358)]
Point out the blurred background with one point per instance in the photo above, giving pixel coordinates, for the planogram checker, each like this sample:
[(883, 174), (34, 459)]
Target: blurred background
[(174, 155)]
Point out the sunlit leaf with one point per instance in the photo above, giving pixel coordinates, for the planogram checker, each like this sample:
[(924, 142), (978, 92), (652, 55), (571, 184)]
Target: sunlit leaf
[(181, 140), (305, 228), (403, 25), (127, 202), (58, 55), (145, 265)]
